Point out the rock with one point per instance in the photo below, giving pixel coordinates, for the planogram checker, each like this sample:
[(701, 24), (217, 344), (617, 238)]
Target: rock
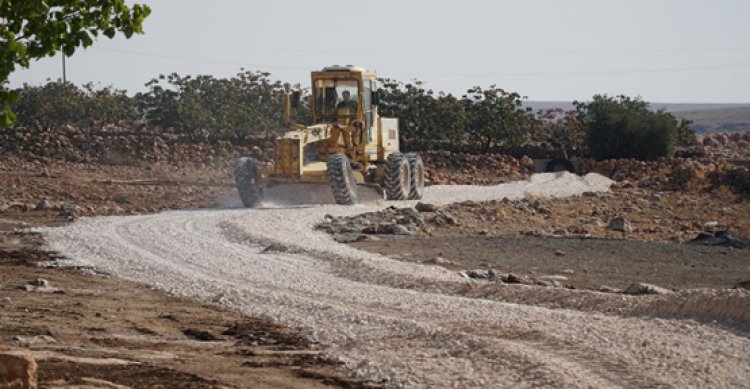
[(44, 205), (484, 232), (17, 370), (640, 288), (607, 289), (39, 282), (426, 207), (553, 277), (350, 238), (620, 224), (443, 218), (392, 228), (275, 248), (514, 279), (440, 261), (462, 274), (721, 238), (413, 220), (540, 207), (560, 253), (742, 285), (31, 340), (560, 231), (479, 273), (200, 335), (547, 283), (568, 271)]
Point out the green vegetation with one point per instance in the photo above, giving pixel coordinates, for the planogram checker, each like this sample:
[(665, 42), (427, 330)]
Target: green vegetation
[(34, 29), (623, 127), (250, 104)]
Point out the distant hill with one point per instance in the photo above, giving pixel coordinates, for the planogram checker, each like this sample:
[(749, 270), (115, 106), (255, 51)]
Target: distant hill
[(705, 117)]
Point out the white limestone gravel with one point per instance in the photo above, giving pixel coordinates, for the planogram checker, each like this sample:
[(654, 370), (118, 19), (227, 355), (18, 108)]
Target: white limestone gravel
[(360, 307)]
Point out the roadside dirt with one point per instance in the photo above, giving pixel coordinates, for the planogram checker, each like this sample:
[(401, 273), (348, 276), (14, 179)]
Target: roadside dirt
[(95, 330), (577, 263)]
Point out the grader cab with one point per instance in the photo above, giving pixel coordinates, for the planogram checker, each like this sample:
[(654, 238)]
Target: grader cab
[(348, 146)]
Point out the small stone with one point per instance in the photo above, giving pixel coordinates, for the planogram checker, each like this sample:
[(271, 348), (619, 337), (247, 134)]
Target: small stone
[(479, 273), (462, 274), (350, 238), (426, 207), (640, 288), (440, 261), (553, 277), (39, 282), (484, 232), (275, 248), (44, 205), (568, 271), (607, 289), (560, 253), (620, 224)]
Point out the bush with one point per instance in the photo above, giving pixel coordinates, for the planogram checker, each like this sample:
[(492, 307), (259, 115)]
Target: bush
[(56, 104), (622, 127), (246, 104)]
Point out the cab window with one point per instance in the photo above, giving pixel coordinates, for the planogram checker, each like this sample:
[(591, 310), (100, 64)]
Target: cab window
[(330, 95)]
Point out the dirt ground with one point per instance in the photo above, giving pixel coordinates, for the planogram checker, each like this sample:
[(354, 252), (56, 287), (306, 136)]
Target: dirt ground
[(85, 327), (95, 330), (578, 263)]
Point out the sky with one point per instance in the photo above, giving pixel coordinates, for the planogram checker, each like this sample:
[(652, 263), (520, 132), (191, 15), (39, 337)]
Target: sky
[(662, 50)]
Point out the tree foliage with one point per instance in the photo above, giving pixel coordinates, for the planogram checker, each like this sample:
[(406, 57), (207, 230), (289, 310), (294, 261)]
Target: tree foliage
[(623, 127), (476, 121), (248, 103), (34, 29), (56, 104)]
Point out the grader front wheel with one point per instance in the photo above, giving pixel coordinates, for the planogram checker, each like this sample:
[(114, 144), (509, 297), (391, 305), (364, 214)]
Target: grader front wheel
[(343, 183), (245, 172)]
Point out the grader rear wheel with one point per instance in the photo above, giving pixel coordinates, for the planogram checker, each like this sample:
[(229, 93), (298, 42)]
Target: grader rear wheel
[(397, 181), (343, 183), (416, 169)]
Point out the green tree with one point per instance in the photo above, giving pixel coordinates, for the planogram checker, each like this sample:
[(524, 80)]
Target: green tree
[(249, 103), (498, 116), (426, 121), (623, 127), (34, 29)]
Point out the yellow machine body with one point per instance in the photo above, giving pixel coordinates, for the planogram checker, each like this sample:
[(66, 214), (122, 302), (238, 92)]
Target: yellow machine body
[(345, 121)]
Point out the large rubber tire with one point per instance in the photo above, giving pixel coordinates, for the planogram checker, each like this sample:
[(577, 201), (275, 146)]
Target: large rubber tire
[(245, 170), (416, 171), (397, 181), (341, 176), (559, 165)]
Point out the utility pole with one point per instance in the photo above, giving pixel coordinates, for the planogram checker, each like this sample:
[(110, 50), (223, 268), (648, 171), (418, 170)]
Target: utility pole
[(64, 78)]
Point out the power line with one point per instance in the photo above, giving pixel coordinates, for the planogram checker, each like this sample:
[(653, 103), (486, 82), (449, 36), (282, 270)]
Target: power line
[(449, 75), (451, 51)]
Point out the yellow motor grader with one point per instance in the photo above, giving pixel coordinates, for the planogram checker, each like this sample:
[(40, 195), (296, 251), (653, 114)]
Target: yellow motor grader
[(348, 144)]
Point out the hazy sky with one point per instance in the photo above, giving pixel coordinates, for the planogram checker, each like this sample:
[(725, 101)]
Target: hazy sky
[(662, 50)]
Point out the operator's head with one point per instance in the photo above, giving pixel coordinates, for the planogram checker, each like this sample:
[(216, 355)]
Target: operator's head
[(346, 95)]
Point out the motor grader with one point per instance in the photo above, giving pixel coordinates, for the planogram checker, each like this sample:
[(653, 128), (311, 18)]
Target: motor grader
[(348, 147)]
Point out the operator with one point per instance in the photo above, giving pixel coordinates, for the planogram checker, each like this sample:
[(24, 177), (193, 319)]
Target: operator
[(347, 102)]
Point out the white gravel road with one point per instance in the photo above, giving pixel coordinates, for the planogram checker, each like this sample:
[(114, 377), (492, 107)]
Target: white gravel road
[(361, 307)]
